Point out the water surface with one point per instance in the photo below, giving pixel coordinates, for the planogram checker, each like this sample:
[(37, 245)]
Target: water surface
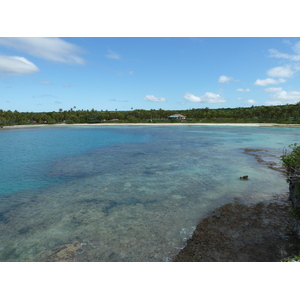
[(126, 193)]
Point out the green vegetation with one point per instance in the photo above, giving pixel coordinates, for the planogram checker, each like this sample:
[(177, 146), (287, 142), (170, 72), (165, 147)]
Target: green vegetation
[(296, 213), (291, 259), (291, 161), (281, 114)]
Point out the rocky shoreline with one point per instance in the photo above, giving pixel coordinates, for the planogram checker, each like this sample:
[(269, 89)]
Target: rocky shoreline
[(235, 232)]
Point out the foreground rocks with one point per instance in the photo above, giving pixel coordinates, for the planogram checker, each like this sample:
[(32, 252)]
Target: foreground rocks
[(263, 232)]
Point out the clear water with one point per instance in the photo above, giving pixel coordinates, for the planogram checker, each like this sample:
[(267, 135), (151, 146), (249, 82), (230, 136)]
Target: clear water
[(127, 193)]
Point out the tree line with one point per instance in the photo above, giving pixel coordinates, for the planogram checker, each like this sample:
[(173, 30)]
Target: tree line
[(289, 113)]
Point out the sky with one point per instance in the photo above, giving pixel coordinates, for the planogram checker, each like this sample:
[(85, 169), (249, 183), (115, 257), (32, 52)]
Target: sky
[(125, 73), (135, 54)]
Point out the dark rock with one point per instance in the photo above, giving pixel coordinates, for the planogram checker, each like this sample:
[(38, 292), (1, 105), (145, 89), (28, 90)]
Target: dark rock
[(237, 233)]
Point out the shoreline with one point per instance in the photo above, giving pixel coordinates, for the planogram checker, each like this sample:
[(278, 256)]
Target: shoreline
[(236, 232), (246, 232), (157, 124)]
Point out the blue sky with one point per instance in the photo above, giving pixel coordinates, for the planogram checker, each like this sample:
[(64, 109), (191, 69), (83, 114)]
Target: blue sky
[(46, 74)]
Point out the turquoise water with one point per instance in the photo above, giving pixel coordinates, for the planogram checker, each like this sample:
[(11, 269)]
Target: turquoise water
[(126, 193)]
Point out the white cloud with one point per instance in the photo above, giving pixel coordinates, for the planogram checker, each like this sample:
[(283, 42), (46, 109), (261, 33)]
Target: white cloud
[(113, 55), (273, 89), (283, 97), (277, 54), (281, 72), (268, 81), (243, 90), (191, 98), (293, 57), (296, 48), (151, 98), (53, 49), (273, 103), (291, 97), (251, 101), (16, 65), (224, 79), (207, 98)]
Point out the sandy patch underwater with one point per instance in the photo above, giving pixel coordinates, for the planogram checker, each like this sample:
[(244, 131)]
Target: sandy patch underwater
[(126, 193)]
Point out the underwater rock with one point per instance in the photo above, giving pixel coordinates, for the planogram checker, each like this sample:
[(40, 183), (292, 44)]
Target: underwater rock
[(65, 253)]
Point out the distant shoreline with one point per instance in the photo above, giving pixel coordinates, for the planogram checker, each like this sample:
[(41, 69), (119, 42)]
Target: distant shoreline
[(158, 124)]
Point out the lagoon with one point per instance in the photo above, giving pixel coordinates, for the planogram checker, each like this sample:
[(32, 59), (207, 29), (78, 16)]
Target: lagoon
[(126, 193)]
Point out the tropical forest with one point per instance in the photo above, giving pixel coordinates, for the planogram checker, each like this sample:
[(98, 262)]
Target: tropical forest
[(281, 114)]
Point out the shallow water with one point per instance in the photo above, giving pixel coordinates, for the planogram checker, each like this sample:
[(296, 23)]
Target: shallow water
[(126, 193)]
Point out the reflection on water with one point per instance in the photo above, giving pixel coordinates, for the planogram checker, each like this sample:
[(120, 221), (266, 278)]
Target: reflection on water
[(137, 198)]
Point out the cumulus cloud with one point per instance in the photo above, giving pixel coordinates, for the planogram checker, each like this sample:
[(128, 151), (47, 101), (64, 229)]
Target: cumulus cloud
[(251, 101), (291, 97), (151, 98), (243, 90), (281, 72), (191, 98), (224, 79), (207, 98), (53, 49), (113, 55), (283, 97), (268, 81), (293, 56), (16, 65)]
